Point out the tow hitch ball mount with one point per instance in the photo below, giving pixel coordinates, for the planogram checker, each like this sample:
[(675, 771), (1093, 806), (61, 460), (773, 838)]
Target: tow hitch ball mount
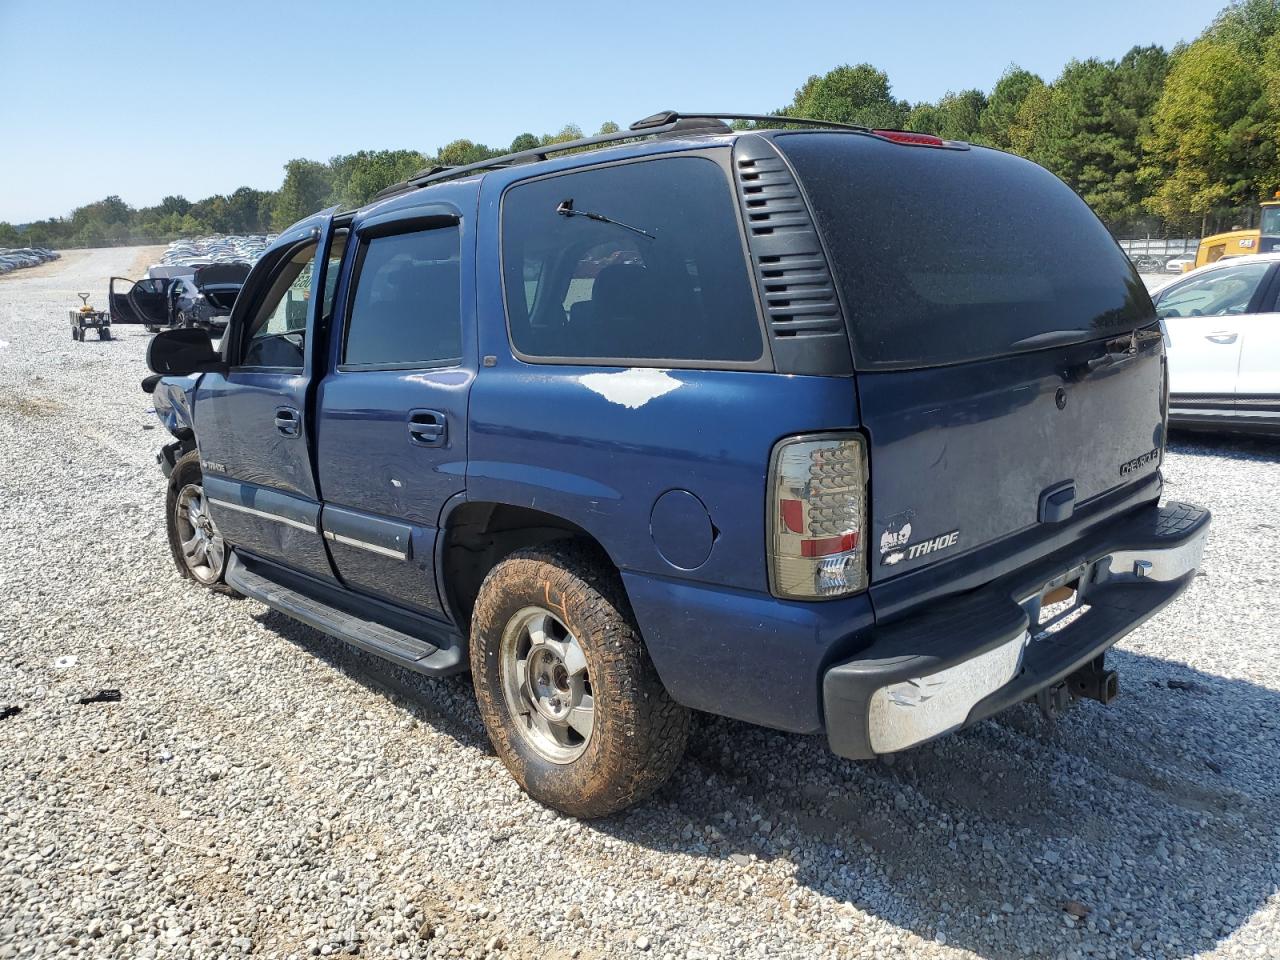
[(1092, 681)]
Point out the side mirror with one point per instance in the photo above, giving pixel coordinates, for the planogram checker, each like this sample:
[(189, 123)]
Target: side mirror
[(181, 352)]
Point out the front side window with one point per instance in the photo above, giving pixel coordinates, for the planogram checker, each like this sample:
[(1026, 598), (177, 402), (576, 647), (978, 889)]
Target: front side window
[(406, 309), (1226, 291), (275, 335), (633, 262)]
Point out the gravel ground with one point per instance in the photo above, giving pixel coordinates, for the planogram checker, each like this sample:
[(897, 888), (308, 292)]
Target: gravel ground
[(261, 789)]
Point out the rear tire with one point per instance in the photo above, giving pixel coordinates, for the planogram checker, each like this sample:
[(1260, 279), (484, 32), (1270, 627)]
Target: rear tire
[(199, 552), (570, 699)]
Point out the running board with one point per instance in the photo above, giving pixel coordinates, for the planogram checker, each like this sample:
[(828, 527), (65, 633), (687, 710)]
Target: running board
[(438, 659)]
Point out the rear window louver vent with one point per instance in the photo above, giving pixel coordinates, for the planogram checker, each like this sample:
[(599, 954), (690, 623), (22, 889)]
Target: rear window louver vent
[(791, 270)]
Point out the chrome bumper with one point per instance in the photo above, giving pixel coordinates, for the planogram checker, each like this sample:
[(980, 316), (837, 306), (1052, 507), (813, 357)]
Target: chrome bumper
[(971, 657)]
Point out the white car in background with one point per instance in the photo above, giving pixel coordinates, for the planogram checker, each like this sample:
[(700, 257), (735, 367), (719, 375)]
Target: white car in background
[(1178, 264), (1223, 326)]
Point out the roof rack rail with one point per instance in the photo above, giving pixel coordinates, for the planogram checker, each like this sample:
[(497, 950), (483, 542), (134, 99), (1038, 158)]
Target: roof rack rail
[(659, 124)]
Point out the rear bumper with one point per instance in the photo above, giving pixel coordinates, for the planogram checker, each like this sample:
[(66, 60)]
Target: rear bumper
[(967, 658)]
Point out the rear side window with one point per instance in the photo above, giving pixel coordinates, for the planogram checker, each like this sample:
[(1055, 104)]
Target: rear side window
[(634, 262), (944, 256), (406, 309)]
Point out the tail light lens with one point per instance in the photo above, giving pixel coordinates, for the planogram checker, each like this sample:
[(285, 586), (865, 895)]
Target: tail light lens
[(911, 138), (818, 517)]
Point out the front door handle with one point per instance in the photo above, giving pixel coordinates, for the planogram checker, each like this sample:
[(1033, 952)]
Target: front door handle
[(428, 428), (1221, 336), (288, 420)]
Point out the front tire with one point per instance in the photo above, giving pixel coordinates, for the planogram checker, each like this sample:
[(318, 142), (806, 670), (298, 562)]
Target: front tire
[(198, 549), (570, 699)]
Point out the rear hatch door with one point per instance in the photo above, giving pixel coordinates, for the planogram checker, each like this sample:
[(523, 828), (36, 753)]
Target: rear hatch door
[(1010, 366)]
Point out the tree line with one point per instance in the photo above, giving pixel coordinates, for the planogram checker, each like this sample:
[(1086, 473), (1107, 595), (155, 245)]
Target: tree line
[(1178, 141)]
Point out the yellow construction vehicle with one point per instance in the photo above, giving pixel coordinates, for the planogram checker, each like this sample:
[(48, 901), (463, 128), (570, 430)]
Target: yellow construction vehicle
[(1239, 243)]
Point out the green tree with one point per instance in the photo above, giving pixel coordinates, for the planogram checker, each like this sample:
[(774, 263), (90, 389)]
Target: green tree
[(526, 141), (243, 208), (306, 188), (955, 117), (178, 205), (358, 176), (1213, 133), (1007, 97), (859, 94), (1247, 26), (607, 127), (570, 131), (1088, 127), (1031, 120), (459, 153)]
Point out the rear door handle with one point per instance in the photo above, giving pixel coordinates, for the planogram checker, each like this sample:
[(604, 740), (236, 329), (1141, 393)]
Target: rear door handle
[(428, 428), (1221, 336), (288, 420)]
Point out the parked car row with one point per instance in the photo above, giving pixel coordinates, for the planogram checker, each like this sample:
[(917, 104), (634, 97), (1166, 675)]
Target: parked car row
[(223, 249), (11, 260), (1160, 263)]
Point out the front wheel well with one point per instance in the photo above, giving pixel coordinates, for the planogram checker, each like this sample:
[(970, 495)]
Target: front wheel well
[(479, 535)]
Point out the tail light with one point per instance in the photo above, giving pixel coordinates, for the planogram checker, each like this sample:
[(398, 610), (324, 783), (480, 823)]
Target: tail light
[(818, 517)]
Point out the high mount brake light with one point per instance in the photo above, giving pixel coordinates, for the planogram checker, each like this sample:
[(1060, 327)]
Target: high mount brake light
[(910, 138), (818, 514)]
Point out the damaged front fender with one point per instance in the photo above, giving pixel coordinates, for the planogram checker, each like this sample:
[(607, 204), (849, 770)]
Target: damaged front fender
[(172, 397)]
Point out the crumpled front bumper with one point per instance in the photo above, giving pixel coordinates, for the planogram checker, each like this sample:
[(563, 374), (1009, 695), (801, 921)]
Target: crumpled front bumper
[(964, 659)]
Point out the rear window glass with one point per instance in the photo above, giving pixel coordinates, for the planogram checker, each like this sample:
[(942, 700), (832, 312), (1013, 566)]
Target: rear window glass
[(946, 255), (634, 262)]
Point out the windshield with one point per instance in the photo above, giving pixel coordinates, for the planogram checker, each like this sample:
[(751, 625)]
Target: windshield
[(1270, 221), (944, 256)]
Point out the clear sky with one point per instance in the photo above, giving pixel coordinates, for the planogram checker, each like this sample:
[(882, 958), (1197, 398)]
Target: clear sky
[(145, 99)]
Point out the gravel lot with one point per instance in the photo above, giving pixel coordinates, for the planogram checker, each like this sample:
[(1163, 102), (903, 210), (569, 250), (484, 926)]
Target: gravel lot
[(261, 789)]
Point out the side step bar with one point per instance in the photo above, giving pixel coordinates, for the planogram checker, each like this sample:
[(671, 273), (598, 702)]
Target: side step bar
[(434, 659)]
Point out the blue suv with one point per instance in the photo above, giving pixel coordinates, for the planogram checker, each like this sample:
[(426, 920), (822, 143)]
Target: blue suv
[(824, 428)]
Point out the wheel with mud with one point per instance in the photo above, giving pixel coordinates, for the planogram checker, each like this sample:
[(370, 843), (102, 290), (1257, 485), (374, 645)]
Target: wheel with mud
[(104, 333), (197, 547), (568, 694)]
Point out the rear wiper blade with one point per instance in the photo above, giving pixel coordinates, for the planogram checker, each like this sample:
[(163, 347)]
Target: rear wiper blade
[(1050, 338), (566, 210)]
